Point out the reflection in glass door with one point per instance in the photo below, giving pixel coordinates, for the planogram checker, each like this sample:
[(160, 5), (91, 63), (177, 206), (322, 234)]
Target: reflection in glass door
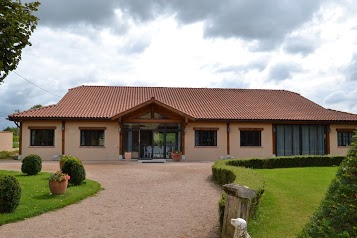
[(171, 143), (158, 144)]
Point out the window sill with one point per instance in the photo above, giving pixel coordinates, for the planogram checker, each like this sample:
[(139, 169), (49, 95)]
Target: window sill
[(251, 146), (98, 146), (202, 146), (42, 146), (343, 146)]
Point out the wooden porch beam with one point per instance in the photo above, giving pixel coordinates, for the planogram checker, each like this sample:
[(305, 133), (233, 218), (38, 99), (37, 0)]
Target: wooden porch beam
[(228, 139), (63, 128)]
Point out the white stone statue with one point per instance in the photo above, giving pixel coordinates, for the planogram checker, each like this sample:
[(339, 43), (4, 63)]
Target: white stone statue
[(240, 228)]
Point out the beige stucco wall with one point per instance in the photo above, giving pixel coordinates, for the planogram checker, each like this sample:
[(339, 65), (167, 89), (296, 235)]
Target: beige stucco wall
[(334, 148), (45, 152), (197, 153), (110, 151), (263, 151), (6, 140)]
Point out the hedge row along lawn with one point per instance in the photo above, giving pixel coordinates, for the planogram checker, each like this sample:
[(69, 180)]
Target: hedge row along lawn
[(291, 196), (36, 198)]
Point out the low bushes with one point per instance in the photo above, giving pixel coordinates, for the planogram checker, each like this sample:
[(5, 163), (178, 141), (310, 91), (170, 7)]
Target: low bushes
[(10, 193), (74, 168), (336, 216), (9, 154), (224, 174), (288, 162), (31, 164)]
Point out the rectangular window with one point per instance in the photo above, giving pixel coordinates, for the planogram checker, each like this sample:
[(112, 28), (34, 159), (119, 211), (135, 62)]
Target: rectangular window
[(205, 138), (92, 137), (42, 137), (300, 140), (344, 137), (250, 138)]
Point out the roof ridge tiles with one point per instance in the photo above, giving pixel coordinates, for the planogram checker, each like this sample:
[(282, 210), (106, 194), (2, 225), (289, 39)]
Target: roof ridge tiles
[(174, 87)]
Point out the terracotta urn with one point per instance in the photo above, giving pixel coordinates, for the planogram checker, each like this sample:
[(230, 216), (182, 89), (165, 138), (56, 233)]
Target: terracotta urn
[(176, 156), (58, 188)]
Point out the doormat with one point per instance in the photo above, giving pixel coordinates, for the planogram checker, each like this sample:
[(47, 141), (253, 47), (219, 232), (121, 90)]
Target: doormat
[(152, 161)]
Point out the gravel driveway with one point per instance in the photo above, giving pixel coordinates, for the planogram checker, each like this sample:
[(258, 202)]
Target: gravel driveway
[(139, 200)]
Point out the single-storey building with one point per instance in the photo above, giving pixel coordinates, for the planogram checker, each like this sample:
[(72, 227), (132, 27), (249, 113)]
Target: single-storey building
[(104, 122)]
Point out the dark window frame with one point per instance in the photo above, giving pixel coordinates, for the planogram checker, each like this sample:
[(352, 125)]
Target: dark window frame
[(344, 137), (205, 138), (42, 137), (251, 138), (94, 137)]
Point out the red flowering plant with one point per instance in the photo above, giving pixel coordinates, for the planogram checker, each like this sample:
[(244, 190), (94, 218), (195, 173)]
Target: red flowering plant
[(59, 177)]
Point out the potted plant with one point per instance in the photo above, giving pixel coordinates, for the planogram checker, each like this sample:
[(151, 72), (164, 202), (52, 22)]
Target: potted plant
[(58, 182), (176, 155)]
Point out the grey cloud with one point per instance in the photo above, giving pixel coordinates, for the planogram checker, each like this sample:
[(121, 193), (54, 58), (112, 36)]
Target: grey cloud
[(232, 83), (300, 45), (335, 97), (17, 94), (345, 101), (135, 46), (283, 71), (267, 21), (67, 12), (259, 65), (351, 70)]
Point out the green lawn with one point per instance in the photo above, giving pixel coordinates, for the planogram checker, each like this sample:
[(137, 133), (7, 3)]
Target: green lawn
[(290, 198), (36, 198)]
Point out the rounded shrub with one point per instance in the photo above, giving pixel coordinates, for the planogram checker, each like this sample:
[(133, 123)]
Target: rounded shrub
[(336, 216), (64, 158), (31, 164), (10, 193), (75, 169)]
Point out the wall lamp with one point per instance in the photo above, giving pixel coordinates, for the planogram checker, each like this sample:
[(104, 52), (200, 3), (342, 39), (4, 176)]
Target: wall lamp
[(119, 129), (62, 127), (186, 130), (228, 129)]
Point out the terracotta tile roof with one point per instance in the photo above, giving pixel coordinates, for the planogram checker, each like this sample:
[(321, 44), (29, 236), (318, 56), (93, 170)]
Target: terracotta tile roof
[(105, 102)]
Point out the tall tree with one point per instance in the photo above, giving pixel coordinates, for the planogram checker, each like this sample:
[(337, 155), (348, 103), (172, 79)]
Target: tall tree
[(17, 23)]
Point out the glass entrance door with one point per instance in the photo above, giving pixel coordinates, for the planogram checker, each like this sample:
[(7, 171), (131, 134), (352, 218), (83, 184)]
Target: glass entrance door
[(151, 140), (131, 143)]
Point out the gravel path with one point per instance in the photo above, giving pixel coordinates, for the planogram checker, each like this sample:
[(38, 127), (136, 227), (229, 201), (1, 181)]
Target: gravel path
[(139, 200)]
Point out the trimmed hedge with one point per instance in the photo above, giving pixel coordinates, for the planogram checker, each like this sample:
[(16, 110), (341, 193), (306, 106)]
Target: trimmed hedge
[(337, 214), (75, 169), (225, 174), (289, 162), (10, 193), (31, 165)]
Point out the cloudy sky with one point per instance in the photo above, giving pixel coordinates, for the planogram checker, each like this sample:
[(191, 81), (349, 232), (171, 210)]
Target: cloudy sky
[(309, 47)]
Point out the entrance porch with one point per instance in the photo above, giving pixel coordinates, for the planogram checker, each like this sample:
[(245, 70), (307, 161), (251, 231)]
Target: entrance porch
[(152, 131)]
